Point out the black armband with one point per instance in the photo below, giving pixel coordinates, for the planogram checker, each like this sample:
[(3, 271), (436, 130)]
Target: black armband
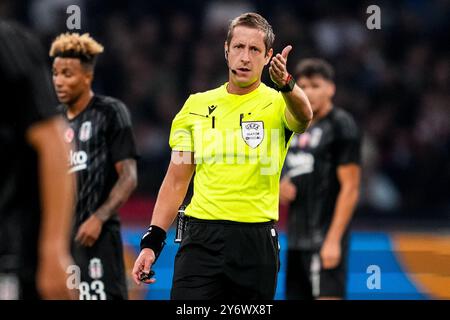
[(289, 86), (154, 239)]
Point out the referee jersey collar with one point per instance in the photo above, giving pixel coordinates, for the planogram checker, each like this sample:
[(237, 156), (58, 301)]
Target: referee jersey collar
[(250, 94)]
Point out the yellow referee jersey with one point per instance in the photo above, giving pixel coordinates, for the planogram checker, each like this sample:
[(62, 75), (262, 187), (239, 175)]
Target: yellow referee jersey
[(239, 144)]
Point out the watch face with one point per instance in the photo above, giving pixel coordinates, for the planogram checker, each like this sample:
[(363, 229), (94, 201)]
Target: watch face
[(291, 83), (289, 86)]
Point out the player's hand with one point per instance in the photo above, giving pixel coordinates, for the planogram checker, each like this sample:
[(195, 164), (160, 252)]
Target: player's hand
[(277, 69), (89, 231), (51, 278), (330, 254), (142, 265), (288, 191)]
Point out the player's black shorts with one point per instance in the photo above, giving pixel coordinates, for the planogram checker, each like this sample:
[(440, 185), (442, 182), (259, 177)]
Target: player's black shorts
[(102, 267), (306, 280), (226, 260), (28, 291)]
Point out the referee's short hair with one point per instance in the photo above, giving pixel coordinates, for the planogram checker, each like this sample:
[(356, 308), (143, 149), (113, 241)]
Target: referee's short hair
[(314, 67), (253, 20)]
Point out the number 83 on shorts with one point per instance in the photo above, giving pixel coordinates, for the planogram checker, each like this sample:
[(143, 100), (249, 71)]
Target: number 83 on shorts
[(92, 291)]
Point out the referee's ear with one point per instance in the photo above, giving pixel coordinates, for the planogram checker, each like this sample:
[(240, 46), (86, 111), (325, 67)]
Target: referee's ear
[(225, 48), (269, 55)]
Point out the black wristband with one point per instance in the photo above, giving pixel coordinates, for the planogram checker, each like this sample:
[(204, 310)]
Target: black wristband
[(289, 86), (154, 239)]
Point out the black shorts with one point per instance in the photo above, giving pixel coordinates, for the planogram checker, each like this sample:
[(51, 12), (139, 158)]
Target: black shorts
[(223, 260), (28, 291), (306, 280), (102, 267)]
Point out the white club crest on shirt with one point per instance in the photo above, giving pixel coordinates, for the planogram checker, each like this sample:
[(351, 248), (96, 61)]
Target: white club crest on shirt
[(252, 132), (85, 131), (95, 268), (316, 135)]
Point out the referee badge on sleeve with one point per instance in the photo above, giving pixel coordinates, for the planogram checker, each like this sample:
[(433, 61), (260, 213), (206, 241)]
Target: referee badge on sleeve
[(252, 132)]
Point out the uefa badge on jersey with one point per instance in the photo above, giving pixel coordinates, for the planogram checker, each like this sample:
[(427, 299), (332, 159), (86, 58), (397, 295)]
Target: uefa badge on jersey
[(85, 131), (252, 132), (95, 268)]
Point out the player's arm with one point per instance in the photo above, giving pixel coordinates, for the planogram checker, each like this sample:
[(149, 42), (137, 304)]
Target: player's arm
[(125, 185), (288, 190), (170, 197), (57, 191), (349, 180), (90, 230), (298, 112)]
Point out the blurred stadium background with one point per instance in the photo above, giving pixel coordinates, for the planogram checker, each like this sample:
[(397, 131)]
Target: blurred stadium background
[(395, 81)]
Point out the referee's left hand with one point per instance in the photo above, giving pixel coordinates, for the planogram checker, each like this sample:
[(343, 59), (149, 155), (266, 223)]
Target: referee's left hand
[(143, 264), (278, 70), (89, 231)]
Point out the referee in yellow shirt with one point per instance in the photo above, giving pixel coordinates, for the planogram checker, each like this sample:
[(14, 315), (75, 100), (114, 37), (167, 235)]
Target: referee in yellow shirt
[(235, 138)]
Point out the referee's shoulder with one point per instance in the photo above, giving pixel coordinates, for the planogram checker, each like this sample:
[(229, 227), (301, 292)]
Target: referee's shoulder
[(269, 90), (208, 93)]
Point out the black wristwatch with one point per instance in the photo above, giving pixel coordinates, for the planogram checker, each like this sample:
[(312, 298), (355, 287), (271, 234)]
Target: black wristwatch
[(289, 86)]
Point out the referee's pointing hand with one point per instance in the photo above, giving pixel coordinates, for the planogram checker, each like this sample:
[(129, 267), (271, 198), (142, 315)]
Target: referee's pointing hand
[(278, 70)]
